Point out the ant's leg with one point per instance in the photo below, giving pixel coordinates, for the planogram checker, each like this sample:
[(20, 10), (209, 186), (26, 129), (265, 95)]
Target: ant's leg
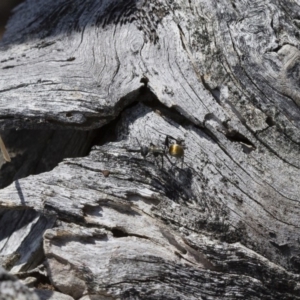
[(172, 164), (167, 143)]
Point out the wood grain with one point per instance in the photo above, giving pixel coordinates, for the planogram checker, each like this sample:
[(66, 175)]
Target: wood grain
[(224, 77)]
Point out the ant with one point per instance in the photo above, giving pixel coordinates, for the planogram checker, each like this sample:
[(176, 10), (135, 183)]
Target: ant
[(156, 151), (174, 149)]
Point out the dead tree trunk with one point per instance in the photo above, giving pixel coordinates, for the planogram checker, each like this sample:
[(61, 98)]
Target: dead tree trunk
[(103, 84)]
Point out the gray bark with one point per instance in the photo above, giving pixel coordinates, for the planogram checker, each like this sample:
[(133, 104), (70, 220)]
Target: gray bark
[(108, 223)]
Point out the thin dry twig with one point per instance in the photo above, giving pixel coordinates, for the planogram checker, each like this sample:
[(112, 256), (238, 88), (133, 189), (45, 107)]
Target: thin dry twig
[(4, 150)]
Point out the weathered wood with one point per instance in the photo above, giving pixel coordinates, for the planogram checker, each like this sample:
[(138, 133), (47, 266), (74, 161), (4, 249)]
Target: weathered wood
[(221, 75), (12, 289), (51, 295), (21, 236)]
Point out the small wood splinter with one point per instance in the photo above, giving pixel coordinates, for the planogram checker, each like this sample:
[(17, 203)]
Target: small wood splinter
[(4, 150)]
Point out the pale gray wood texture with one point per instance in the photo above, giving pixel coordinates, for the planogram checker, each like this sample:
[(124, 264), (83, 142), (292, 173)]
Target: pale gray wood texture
[(12, 289), (224, 77)]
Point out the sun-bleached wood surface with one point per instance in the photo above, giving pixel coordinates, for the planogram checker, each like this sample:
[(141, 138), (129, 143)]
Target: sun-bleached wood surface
[(224, 77), (12, 289)]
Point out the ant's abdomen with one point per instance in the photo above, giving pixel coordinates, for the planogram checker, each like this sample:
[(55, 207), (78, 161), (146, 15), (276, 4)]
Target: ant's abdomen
[(176, 151)]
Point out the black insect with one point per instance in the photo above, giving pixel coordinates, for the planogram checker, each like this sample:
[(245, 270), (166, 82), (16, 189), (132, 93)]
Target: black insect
[(172, 147), (154, 150)]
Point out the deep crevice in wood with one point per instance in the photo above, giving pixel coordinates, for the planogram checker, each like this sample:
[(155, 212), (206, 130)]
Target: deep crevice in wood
[(118, 233), (235, 136), (37, 151)]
